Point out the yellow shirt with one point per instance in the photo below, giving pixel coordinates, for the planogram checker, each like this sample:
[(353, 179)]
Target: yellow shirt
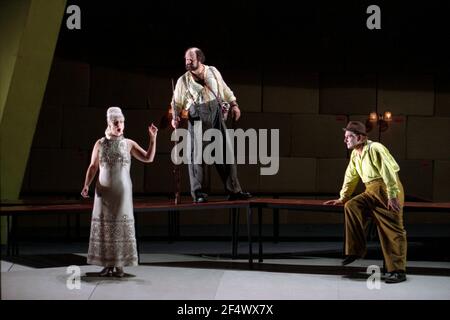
[(375, 162), (188, 92)]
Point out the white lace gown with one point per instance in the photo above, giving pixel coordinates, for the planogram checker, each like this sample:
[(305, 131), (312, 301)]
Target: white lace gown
[(112, 240)]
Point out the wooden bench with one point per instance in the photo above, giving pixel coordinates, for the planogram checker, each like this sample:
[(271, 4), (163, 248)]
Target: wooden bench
[(317, 205), (12, 211)]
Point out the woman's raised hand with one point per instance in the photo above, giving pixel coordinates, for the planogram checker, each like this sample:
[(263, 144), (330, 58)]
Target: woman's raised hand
[(152, 131)]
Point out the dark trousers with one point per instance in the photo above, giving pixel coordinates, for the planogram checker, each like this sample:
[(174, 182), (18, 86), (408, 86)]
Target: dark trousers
[(210, 116)]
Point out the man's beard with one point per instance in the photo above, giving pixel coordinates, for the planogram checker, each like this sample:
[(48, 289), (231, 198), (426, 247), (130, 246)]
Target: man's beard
[(191, 67)]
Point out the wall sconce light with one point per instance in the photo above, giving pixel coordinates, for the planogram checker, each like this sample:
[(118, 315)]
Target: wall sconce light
[(387, 116), (373, 117), (382, 120)]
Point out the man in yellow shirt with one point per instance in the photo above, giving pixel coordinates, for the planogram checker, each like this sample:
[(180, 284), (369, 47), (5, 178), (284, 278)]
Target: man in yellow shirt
[(382, 200)]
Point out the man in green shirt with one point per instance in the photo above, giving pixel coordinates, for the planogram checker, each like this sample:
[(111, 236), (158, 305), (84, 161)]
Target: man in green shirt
[(382, 200)]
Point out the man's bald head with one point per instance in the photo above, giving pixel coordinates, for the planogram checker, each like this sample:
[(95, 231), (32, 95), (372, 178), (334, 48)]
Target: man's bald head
[(198, 54), (193, 59)]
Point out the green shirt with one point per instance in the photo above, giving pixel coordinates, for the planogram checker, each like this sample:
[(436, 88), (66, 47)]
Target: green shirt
[(375, 162)]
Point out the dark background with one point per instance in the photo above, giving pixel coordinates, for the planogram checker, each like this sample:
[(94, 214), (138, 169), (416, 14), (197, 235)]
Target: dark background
[(304, 35), (305, 68)]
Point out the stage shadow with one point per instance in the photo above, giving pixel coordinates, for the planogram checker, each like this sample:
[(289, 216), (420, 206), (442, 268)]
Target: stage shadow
[(47, 260), (95, 276), (349, 272)]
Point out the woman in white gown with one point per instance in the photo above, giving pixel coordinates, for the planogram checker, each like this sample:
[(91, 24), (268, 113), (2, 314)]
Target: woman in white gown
[(112, 242)]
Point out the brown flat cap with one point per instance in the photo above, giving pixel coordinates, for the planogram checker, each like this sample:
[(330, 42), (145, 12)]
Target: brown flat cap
[(356, 127)]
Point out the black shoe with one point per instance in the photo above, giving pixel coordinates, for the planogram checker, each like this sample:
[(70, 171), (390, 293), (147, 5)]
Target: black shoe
[(119, 272), (395, 277), (349, 259), (201, 197), (200, 200), (106, 272), (239, 196)]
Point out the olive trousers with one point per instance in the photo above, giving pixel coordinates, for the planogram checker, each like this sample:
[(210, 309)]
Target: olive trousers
[(373, 203)]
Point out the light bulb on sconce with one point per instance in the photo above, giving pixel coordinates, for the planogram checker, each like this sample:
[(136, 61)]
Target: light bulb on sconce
[(373, 117), (387, 116), (382, 120)]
